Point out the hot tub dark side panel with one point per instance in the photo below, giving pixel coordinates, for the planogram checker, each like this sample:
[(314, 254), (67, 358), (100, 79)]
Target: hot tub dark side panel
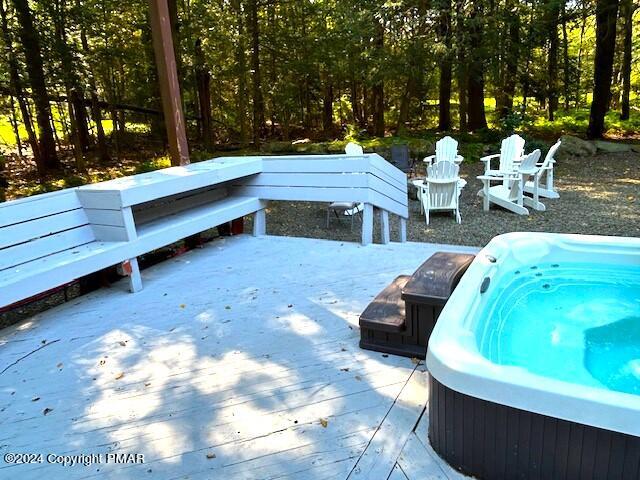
[(492, 441)]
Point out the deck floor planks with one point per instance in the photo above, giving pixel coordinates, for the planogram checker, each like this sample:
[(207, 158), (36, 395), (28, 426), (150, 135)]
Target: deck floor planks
[(266, 336)]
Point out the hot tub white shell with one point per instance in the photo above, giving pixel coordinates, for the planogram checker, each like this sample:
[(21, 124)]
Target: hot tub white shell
[(454, 360)]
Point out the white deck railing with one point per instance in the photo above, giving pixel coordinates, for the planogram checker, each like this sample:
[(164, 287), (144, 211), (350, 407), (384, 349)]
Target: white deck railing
[(48, 240)]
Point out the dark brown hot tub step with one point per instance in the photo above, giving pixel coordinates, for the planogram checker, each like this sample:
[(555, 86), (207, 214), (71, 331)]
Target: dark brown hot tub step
[(382, 324), (400, 319), (386, 312), (428, 290)]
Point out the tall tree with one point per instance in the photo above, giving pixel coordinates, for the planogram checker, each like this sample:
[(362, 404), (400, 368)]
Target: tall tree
[(511, 57), (377, 90), (35, 70), (444, 94), (628, 8), (462, 68), (75, 96), (475, 82), (241, 66), (17, 89), (606, 15), (553, 12), (203, 83), (259, 126)]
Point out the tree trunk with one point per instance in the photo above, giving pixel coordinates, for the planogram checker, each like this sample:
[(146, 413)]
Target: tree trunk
[(552, 66), (241, 61), (627, 6), (405, 102), (579, 65), (475, 82), (15, 84), (35, 70), (565, 52), (512, 55), (259, 126), (377, 90), (327, 106), (606, 15), (203, 83), (462, 70), (444, 97), (96, 113)]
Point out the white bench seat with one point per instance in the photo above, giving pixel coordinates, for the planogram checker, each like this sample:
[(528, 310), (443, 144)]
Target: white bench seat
[(170, 228), (47, 241), (35, 276)]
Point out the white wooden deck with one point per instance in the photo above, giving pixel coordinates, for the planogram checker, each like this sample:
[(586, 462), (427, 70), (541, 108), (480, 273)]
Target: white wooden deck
[(237, 360)]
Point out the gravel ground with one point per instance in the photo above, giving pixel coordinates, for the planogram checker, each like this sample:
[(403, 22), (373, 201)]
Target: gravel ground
[(598, 195)]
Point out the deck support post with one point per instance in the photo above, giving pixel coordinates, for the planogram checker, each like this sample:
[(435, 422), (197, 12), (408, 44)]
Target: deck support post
[(367, 224), (384, 227), (259, 223), (132, 270), (403, 229), (168, 79)]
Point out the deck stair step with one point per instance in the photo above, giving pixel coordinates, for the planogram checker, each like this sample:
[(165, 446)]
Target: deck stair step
[(401, 317), (386, 312)]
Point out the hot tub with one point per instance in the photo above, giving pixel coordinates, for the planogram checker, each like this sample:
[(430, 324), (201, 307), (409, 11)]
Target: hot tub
[(535, 360)]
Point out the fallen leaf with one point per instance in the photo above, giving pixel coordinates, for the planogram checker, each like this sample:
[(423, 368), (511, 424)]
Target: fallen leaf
[(358, 377), (47, 410), (35, 399), (182, 305), (119, 375), (415, 361), (344, 369), (122, 344), (227, 307), (211, 455), (324, 422), (147, 384), (60, 365)]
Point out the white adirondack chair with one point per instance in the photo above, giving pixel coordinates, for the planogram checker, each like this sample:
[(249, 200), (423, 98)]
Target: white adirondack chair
[(510, 193), (446, 150), (546, 169), (511, 152), (440, 190), (353, 149), (349, 209)]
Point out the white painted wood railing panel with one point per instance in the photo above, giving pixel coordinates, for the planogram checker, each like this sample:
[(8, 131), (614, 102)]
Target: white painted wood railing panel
[(50, 239), (327, 178)]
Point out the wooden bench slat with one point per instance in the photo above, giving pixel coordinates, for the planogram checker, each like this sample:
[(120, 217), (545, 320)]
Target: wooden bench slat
[(166, 230), (41, 227), (57, 269), (30, 208), (42, 247)]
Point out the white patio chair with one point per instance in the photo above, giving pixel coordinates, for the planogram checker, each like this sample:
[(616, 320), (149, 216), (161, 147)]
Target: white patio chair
[(441, 189), (348, 209), (546, 169), (511, 152), (446, 151), (510, 193)]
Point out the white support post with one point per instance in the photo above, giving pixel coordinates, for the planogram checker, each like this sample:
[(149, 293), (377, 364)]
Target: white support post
[(384, 226), (259, 223), (367, 224), (403, 229), (130, 268)]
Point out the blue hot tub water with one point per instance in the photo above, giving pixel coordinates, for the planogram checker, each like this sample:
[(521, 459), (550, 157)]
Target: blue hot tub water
[(576, 322)]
